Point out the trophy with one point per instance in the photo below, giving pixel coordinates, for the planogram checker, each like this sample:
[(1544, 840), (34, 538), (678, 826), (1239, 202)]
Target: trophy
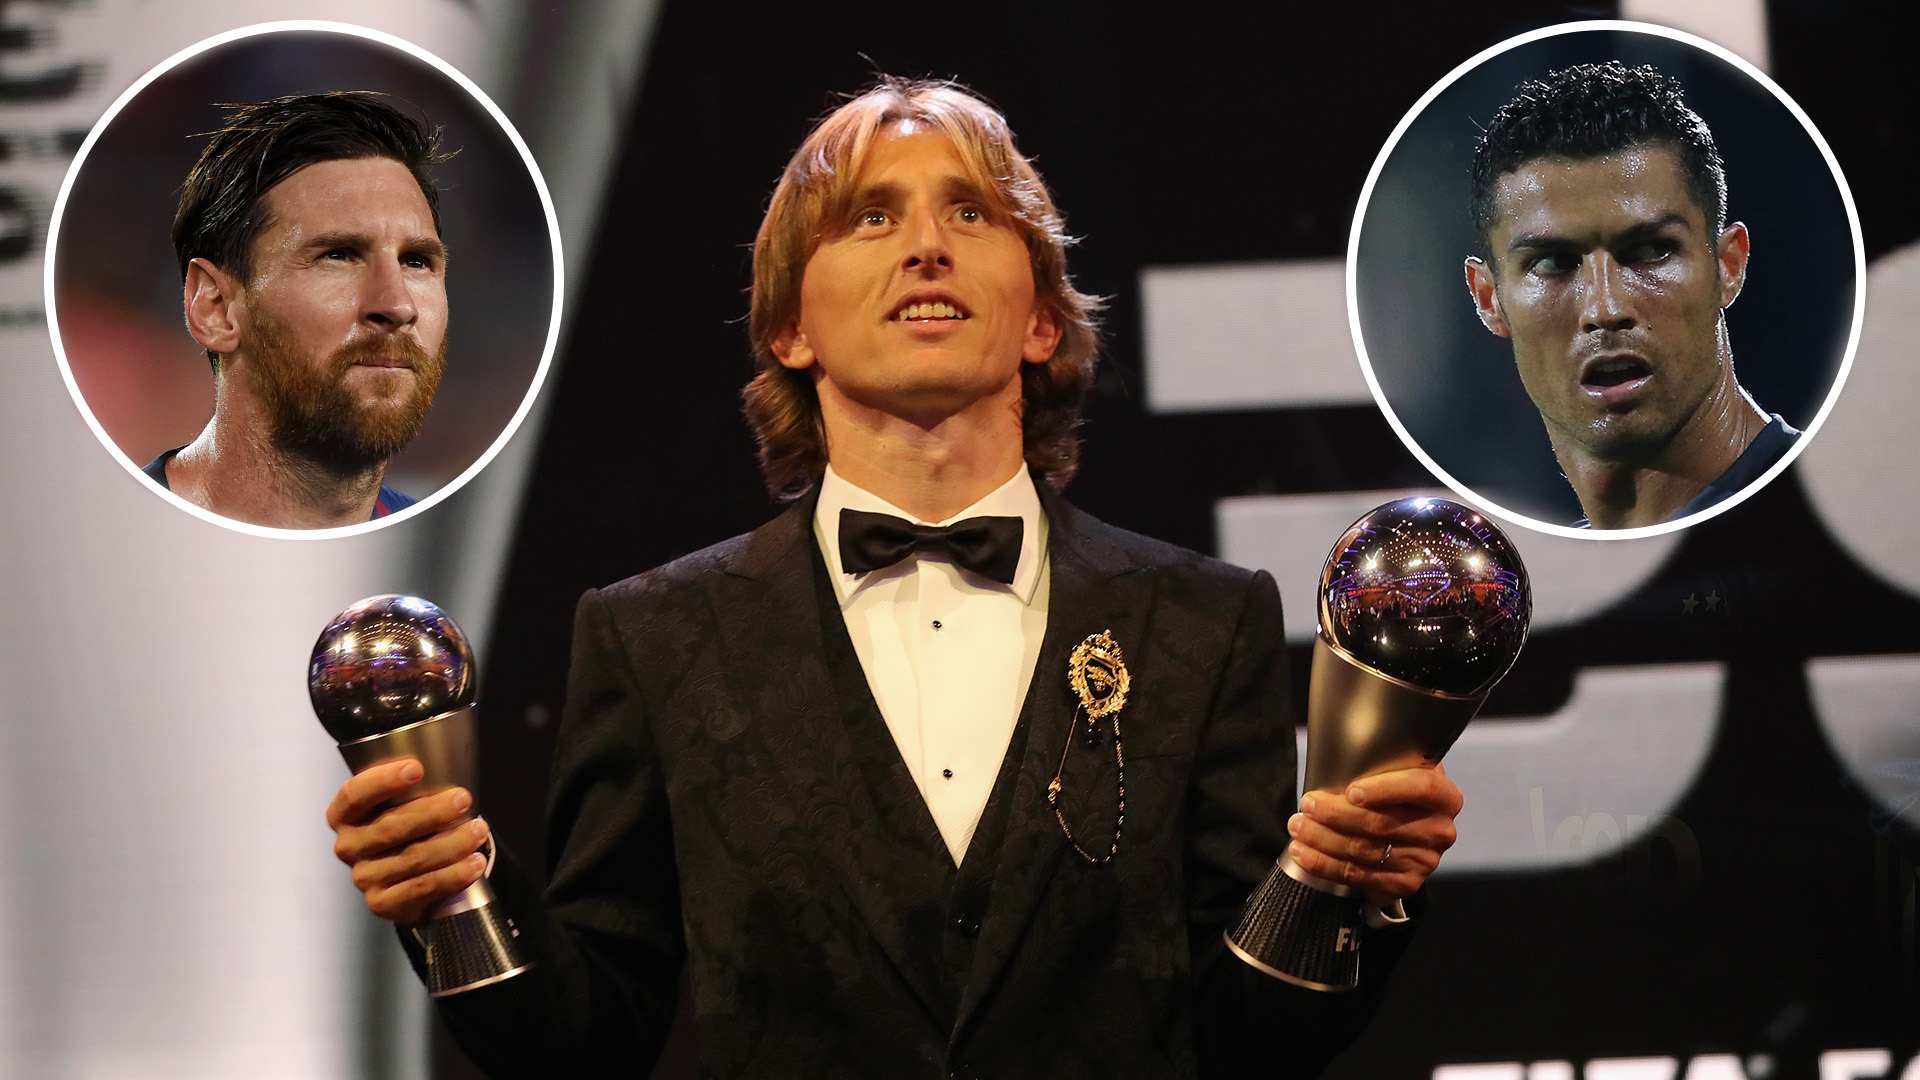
[(1423, 607), (392, 676)]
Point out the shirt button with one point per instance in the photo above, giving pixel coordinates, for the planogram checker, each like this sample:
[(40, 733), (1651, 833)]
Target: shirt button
[(966, 927), (948, 773), (936, 624)]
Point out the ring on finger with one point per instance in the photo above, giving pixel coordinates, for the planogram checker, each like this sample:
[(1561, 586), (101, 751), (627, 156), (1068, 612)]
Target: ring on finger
[(1385, 855)]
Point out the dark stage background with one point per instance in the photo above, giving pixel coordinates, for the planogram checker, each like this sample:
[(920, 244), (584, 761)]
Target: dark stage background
[(1770, 917)]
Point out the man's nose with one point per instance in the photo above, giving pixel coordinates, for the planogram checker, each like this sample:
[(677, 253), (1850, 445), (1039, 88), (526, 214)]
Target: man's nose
[(388, 301), (1608, 299), (927, 248)]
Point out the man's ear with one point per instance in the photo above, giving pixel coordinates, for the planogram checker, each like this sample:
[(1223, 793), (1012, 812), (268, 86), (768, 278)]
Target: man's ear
[(1486, 299), (210, 298), (791, 348), (1044, 329), (1735, 246)]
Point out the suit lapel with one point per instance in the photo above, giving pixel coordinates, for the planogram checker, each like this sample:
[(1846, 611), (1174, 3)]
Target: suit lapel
[(781, 674), (1094, 588)]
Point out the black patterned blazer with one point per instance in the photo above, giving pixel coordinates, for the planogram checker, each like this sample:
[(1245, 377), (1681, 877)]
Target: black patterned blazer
[(727, 798)]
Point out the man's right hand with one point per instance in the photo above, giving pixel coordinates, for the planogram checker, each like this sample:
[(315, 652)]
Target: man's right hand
[(415, 854)]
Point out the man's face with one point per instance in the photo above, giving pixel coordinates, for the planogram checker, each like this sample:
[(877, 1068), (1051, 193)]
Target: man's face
[(922, 301), (1608, 281), (344, 326)]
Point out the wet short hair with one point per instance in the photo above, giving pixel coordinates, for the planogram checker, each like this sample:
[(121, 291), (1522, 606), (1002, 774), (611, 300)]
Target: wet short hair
[(1590, 111), (223, 202), (817, 188)]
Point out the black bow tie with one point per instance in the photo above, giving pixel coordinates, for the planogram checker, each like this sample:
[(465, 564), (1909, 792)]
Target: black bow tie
[(988, 546)]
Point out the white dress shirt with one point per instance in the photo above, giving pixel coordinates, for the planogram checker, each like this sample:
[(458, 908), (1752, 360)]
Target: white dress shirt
[(948, 654)]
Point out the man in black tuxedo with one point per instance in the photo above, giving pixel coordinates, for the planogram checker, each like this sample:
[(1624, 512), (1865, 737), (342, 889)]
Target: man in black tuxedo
[(836, 768)]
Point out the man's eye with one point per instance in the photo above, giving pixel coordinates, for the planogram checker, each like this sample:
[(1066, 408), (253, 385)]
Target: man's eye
[(871, 218), (971, 215), (1557, 263), (1651, 252)]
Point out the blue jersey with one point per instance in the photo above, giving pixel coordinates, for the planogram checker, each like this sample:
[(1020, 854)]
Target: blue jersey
[(389, 501)]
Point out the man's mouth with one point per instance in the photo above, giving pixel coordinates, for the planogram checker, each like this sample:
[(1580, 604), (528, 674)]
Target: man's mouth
[(929, 311), (387, 351), (1616, 382), (1602, 374)]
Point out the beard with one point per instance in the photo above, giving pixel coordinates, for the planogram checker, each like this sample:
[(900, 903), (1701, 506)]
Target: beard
[(313, 414)]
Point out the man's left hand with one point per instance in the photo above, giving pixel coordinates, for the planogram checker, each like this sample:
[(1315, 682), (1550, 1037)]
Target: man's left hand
[(1344, 836)]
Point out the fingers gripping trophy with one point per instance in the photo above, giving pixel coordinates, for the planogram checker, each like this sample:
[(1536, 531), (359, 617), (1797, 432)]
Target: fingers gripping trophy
[(390, 677), (1423, 608)]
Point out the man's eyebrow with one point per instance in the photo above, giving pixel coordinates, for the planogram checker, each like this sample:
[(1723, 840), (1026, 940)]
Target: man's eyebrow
[(953, 188), (885, 193), (1647, 229), (431, 246), (1639, 230), (963, 187)]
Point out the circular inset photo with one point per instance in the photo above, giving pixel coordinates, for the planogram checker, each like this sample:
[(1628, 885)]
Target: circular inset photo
[(1606, 279), (304, 279)]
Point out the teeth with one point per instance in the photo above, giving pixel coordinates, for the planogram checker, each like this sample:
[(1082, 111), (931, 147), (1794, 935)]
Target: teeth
[(936, 310)]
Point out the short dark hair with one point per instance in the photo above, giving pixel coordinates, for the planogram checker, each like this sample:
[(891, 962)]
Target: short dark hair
[(1589, 111), (223, 203), (816, 187)]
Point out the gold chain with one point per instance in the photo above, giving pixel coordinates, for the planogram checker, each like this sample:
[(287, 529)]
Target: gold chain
[(1120, 777)]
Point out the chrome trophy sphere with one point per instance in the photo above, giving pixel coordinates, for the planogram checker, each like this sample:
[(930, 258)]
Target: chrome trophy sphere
[(386, 662), (1428, 592)]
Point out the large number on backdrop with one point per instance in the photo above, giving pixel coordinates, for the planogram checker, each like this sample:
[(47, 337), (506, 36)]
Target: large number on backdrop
[(1863, 476)]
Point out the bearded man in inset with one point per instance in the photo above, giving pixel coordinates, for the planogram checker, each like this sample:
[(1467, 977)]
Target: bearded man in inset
[(314, 276)]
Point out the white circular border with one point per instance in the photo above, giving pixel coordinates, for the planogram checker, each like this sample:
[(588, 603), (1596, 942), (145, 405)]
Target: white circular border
[(418, 53), (1758, 76)]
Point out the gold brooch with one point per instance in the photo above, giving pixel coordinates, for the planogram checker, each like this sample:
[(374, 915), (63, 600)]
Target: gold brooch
[(1097, 671)]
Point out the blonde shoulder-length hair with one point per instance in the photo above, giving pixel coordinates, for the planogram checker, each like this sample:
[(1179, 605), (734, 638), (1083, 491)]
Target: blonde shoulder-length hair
[(816, 189)]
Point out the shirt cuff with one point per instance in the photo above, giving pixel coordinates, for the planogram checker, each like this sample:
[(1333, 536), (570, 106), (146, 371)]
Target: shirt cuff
[(1393, 914)]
